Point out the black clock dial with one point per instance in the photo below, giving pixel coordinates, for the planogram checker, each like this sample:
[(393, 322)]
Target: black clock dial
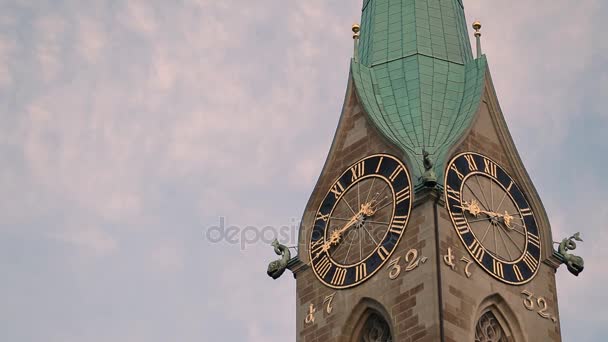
[(360, 221), (493, 218)]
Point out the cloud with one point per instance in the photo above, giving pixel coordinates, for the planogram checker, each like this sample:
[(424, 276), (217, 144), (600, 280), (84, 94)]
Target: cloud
[(140, 17), (7, 48), (92, 40), (51, 31), (168, 257), (88, 239), (537, 56), (132, 127), (271, 315)]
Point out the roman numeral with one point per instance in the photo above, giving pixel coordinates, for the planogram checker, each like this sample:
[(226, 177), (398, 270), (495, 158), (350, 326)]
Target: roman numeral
[(396, 173), (453, 194), (337, 189), (533, 239), (402, 195), (360, 271), (461, 223), (398, 224), (339, 277), (477, 250), (490, 167), (316, 248), (379, 164), (498, 268), (518, 274), (458, 173), (324, 266), (471, 160), (321, 216), (530, 261), (510, 186), (382, 253), (526, 212), (358, 171), (396, 230)]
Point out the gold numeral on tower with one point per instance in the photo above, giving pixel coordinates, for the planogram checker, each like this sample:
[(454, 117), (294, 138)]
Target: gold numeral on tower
[(477, 250), (396, 229), (510, 186), (490, 167), (461, 223), (396, 173), (453, 194), (533, 239), (458, 173), (316, 248), (360, 271), (402, 195), (517, 272), (471, 160), (358, 171), (322, 217), (398, 224), (337, 190), (526, 212), (530, 261), (324, 266), (382, 253), (339, 277), (379, 164), (498, 268)]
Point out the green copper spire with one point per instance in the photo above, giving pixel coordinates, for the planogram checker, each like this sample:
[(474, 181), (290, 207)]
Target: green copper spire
[(416, 76)]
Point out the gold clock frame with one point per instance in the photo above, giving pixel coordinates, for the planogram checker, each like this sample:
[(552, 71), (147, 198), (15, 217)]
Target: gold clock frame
[(392, 220), (538, 239)]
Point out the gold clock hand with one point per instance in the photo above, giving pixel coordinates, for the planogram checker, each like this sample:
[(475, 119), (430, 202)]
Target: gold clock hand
[(367, 210), (474, 209), (508, 220), (336, 236)]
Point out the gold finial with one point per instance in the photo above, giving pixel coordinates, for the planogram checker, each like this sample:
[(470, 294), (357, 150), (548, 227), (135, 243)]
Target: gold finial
[(356, 29), (477, 27)]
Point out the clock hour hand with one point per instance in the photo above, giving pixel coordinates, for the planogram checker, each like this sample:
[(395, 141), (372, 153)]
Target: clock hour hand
[(474, 209)]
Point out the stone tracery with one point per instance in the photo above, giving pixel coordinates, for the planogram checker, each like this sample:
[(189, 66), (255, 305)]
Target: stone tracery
[(488, 329)]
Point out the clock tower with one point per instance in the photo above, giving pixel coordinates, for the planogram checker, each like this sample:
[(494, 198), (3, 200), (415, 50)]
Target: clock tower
[(424, 224)]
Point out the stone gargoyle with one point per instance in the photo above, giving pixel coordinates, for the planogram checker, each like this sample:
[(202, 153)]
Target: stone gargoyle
[(574, 263), (278, 267)]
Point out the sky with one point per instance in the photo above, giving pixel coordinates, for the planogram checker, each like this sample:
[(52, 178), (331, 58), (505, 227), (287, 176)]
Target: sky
[(131, 130)]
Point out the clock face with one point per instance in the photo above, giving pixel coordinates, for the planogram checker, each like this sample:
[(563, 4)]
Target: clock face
[(493, 218), (360, 221)]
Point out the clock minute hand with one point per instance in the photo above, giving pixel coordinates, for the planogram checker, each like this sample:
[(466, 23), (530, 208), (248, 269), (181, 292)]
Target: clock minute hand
[(336, 236), (367, 210), (349, 224)]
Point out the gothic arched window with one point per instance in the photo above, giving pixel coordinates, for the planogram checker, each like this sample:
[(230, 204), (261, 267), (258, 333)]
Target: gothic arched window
[(376, 329), (488, 329)]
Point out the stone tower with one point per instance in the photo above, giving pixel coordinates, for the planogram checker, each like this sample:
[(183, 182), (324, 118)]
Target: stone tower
[(424, 224)]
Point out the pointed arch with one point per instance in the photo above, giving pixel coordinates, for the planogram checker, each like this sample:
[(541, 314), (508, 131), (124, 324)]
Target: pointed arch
[(368, 321), (496, 322), (489, 329)]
